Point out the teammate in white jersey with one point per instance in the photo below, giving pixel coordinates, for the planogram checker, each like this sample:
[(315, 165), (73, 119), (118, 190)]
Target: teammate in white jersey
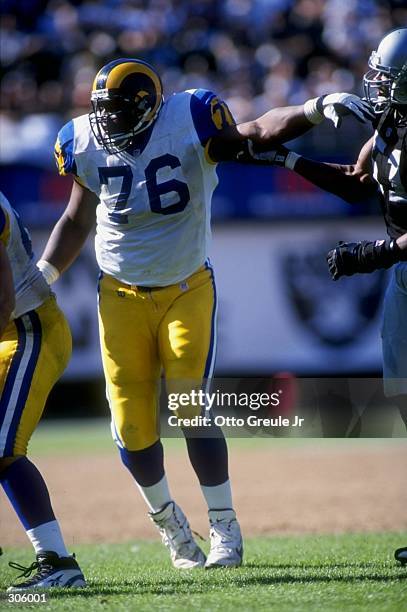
[(147, 169), (35, 346)]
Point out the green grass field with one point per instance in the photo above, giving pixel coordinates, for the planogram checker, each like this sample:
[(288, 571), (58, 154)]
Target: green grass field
[(88, 436), (351, 572), (346, 572)]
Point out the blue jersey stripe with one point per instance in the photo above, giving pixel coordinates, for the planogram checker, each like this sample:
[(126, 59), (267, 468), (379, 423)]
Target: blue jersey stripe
[(202, 114), (27, 378)]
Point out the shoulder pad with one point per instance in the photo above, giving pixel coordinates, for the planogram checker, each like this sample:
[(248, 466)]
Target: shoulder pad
[(64, 150), (209, 113)]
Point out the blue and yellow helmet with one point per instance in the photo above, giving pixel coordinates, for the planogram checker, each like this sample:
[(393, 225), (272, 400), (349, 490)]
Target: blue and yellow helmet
[(127, 96)]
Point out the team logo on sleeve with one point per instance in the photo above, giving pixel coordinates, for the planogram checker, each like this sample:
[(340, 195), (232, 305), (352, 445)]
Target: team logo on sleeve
[(221, 115), (59, 158)]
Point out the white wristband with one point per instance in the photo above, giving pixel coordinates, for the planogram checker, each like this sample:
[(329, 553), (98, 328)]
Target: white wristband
[(49, 272), (311, 111), (291, 160)]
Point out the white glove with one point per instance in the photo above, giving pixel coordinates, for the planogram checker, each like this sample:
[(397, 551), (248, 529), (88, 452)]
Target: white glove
[(279, 156), (337, 105)]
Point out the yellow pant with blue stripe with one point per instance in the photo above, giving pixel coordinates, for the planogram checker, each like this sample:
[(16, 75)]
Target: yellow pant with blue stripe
[(34, 351), (144, 332)]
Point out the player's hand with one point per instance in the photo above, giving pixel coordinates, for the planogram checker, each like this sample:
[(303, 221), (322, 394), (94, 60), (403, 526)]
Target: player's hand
[(342, 261), (363, 257), (337, 105)]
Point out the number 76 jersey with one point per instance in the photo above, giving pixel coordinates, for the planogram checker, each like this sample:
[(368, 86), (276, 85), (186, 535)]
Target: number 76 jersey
[(153, 219)]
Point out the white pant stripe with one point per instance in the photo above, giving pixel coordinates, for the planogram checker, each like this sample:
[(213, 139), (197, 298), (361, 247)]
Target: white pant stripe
[(12, 404)]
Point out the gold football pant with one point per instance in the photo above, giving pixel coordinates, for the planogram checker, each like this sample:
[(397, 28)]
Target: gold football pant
[(144, 331), (34, 351)]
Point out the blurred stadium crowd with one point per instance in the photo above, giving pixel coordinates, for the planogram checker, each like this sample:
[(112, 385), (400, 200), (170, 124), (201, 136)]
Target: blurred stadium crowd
[(255, 53)]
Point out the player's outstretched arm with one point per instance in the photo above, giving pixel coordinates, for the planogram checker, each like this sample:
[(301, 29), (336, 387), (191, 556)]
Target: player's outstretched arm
[(70, 233), (7, 295), (353, 183), (276, 126), (284, 124)]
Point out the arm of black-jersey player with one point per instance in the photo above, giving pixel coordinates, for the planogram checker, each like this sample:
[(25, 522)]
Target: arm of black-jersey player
[(363, 257)]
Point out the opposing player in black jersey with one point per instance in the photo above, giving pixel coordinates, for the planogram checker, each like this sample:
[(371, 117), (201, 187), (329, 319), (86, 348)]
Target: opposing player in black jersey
[(381, 168)]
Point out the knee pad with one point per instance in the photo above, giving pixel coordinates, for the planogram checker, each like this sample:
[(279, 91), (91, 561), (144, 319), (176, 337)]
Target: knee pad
[(146, 465)]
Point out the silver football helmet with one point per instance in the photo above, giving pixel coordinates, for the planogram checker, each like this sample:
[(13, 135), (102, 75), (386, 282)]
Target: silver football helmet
[(385, 83)]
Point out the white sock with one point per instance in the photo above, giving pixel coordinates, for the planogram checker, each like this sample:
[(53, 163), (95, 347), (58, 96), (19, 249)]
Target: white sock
[(218, 497), (157, 495), (48, 536)]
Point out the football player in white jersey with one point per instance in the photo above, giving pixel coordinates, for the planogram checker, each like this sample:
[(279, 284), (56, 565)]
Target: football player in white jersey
[(145, 167), (35, 346), (381, 170)]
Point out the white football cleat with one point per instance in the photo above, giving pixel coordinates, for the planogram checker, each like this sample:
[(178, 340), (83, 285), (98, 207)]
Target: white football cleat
[(52, 571), (177, 536), (226, 540)]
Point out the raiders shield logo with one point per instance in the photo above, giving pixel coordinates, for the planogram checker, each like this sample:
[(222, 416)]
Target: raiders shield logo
[(336, 312)]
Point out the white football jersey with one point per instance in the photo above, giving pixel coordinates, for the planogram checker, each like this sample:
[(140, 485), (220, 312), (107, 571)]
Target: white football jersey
[(153, 220), (30, 288)]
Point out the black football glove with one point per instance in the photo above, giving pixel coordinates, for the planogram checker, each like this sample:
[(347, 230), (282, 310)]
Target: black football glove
[(363, 257)]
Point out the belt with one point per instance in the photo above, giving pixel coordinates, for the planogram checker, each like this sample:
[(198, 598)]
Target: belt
[(144, 288)]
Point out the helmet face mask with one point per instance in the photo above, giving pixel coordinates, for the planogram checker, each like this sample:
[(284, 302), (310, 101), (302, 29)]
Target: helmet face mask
[(385, 84), (384, 87), (126, 99), (116, 121)]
